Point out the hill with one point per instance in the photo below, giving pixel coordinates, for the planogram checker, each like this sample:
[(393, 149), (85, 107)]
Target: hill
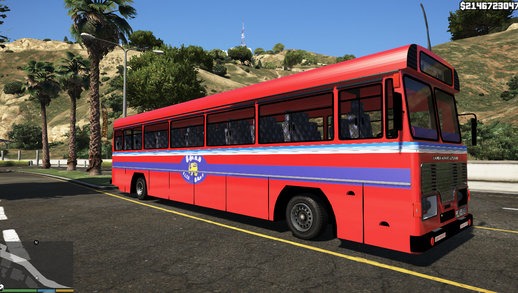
[(484, 63)]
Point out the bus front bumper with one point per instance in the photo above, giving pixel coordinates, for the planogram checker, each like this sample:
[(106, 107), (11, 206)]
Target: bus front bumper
[(424, 242)]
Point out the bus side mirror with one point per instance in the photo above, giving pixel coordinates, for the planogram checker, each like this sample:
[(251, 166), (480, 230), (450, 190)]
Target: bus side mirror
[(473, 131), (398, 111)]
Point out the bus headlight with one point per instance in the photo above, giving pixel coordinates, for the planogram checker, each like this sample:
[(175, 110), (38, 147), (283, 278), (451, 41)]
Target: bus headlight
[(429, 206)]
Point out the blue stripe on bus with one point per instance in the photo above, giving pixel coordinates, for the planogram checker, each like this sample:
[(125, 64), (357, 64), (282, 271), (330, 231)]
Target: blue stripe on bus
[(386, 177), (399, 145)]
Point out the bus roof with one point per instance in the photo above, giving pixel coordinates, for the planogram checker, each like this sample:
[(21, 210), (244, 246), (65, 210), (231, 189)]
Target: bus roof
[(371, 65)]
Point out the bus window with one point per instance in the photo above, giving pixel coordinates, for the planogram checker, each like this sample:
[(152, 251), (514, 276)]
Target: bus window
[(187, 132), (360, 112), (235, 127), (303, 119), (117, 140), (133, 139), (420, 108), (155, 136), (447, 116)]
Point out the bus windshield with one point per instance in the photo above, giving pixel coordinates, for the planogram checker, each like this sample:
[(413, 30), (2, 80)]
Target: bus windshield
[(420, 109), (447, 116)]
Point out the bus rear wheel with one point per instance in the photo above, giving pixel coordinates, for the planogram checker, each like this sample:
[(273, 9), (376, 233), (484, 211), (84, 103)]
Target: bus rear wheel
[(306, 216), (141, 188)]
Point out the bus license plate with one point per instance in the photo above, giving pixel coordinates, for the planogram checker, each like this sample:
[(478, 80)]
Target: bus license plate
[(440, 237), (463, 225)]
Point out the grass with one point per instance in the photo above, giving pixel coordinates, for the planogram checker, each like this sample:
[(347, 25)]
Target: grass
[(101, 180)]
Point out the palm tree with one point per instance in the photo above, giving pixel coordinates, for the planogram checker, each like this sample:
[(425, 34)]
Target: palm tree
[(42, 87), (100, 19), (73, 79)]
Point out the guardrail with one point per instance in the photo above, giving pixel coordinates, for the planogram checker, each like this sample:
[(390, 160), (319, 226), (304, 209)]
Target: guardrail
[(493, 171)]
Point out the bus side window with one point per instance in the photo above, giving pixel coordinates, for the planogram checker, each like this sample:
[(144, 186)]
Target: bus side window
[(360, 112), (133, 138), (187, 132), (233, 127), (156, 136), (297, 120), (117, 140)]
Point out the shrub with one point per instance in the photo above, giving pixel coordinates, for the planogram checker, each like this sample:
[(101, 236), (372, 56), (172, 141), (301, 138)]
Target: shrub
[(14, 87), (14, 163), (240, 53), (292, 58), (9, 51), (258, 65), (220, 70), (218, 54), (105, 78), (46, 40), (495, 141), (26, 136), (345, 58), (259, 51), (278, 48)]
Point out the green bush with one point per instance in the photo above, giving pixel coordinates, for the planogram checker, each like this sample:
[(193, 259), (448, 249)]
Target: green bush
[(495, 141), (26, 136), (46, 40), (240, 53), (14, 87), (292, 58), (105, 78), (218, 55), (258, 65), (9, 51), (278, 48), (345, 58), (13, 163), (513, 89), (219, 69), (259, 51)]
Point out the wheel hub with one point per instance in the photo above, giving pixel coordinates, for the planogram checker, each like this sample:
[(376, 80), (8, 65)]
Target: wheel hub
[(301, 217)]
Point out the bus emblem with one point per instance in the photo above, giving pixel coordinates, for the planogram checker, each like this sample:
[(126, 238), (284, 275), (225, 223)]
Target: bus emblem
[(193, 169)]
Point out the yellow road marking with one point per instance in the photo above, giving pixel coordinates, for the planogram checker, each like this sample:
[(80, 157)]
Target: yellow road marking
[(495, 229), (352, 258)]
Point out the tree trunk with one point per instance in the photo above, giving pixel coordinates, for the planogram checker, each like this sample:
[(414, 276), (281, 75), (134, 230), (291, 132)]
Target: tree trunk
[(94, 154), (72, 148), (44, 137)]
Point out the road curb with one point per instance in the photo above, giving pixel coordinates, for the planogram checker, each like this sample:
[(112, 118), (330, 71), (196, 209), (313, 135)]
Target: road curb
[(70, 180)]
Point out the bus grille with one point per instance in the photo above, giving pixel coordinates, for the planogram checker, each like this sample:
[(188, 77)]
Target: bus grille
[(443, 178)]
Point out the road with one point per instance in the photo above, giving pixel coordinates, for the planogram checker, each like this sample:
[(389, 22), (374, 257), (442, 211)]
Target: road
[(121, 245)]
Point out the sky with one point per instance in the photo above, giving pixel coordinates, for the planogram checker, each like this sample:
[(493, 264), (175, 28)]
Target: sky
[(332, 28)]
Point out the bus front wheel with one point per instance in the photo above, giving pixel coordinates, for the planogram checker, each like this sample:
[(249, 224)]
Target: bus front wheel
[(306, 216), (141, 188)]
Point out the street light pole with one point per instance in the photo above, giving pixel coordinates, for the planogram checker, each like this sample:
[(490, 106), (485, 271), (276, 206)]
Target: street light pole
[(91, 37)]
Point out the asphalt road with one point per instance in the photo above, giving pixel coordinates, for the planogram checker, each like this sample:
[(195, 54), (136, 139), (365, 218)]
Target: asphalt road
[(122, 246)]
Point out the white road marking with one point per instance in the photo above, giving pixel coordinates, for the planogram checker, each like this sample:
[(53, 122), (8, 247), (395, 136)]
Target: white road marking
[(511, 209), (14, 244), (2, 214)]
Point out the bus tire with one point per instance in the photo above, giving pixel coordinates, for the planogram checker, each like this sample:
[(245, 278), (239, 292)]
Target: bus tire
[(306, 216), (141, 188)]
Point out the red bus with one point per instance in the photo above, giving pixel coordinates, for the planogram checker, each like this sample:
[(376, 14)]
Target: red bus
[(370, 145)]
